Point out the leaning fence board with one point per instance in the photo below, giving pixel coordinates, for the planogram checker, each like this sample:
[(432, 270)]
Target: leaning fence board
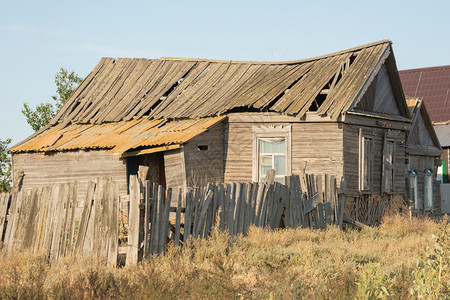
[(133, 219), (178, 218), (146, 217), (164, 223)]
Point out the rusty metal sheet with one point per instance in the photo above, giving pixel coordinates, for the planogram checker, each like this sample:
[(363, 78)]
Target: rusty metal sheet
[(118, 137)]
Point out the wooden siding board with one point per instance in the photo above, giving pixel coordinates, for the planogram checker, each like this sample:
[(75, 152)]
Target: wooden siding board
[(205, 165), (62, 167), (174, 168), (384, 97), (310, 149), (351, 158)]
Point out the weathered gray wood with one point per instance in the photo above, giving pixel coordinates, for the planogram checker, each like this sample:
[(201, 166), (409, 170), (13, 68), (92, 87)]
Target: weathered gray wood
[(341, 199), (259, 203), (231, 207), (113, 224), (164, 223), (203, 212), (211, 211), (85, 216), (242, 207), (249, 204), (157, 221), (133, 221), (198, 202), (154, 219), (178, 218), (222, 208), (322, 223), (188, 217), (4, 201), (146, 217)]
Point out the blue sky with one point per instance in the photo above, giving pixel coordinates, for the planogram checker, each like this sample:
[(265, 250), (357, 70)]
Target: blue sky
[(39, 37)]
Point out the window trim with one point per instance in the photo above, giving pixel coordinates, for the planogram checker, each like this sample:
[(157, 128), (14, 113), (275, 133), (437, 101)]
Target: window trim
[(428, 190), (414, 189), (362, 136), (270, 132), (384, 164)]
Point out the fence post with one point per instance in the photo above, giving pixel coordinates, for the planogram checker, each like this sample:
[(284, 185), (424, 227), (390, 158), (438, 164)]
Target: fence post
[(133, 221)]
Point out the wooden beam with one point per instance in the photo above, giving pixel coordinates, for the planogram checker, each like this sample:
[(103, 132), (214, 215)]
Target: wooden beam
[(149, 150)]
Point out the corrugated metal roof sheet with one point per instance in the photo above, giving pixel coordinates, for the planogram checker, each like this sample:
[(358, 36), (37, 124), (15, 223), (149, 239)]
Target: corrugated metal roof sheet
[(433, 86), (443, 134), (118, 137)]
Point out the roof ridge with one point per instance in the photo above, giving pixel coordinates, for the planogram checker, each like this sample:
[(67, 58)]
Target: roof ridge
[(288, 62), (435, 68)]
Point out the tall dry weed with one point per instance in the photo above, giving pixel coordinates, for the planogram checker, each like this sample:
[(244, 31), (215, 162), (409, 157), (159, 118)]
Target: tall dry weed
[(280, 264)]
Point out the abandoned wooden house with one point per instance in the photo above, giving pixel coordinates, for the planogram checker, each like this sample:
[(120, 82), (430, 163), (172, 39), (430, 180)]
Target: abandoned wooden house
[(179, 122), (423, 157)]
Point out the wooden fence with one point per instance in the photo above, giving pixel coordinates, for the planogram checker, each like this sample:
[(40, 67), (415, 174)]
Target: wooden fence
[(232, 207), (43, 220)]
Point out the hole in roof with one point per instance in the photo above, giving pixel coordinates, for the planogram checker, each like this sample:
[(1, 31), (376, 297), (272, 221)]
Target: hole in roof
[(167, 93), (332, 83), (275, 100)]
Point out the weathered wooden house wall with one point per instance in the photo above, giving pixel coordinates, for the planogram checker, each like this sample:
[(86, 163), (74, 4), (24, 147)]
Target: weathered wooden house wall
[(421, 163), (316, 148), (43, 169), (203, 157), (351, 159)]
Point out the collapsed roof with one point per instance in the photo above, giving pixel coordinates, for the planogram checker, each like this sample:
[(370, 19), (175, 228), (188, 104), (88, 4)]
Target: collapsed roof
[(177, 89)]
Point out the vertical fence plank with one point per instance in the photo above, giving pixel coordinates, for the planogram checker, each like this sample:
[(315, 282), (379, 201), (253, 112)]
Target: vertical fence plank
[(146, 217), (154, 220), (222, 208), (133, 221), (242, 206), (178, 218), (188, 216), (250, 207), (164, 223)]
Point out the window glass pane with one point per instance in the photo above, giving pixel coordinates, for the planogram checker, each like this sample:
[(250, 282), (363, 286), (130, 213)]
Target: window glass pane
[(275, 145), (428, 192), (280, 164), (266, 160), (264, 170)]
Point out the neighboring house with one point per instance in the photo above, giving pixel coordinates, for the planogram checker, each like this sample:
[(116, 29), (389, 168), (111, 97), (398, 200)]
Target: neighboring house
[(442, 130), (423, 157), (186, 121), (433, 86)]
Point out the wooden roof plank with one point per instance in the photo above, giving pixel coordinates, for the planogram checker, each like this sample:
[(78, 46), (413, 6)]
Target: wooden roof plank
[(96, 94), (87, 94), (359, 79), (74, 98), (301, 92), (196, 71), (311, 92), (215, 71), (117, 92), (337, 97)]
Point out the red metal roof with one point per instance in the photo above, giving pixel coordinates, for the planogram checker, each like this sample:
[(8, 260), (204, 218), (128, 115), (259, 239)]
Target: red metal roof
[(433, 86)]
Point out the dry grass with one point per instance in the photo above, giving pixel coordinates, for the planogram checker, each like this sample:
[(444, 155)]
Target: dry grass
[(265, 264)]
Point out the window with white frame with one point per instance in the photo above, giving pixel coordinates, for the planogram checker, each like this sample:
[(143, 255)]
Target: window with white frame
[(413, 189), (272, 155), (428, 190), (365, 163), (271, 151)]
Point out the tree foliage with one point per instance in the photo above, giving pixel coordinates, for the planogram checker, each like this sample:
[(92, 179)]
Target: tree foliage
[(66, 83), (5, 166)]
